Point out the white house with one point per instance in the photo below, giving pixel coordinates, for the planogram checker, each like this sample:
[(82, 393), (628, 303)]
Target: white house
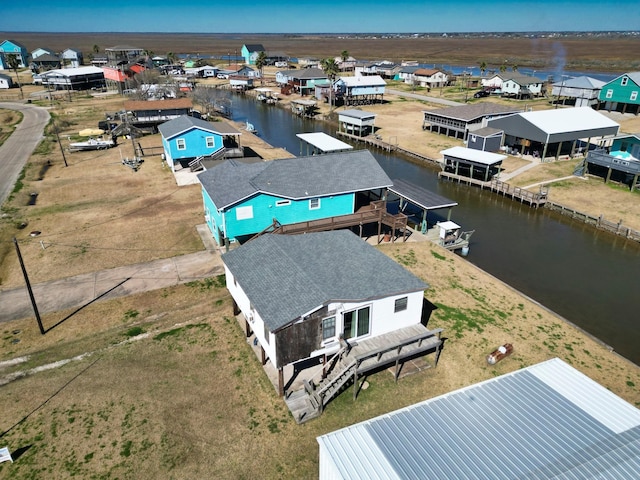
[(428, 77), (5, 81), (521, 86), (301, 293), (72, 58)]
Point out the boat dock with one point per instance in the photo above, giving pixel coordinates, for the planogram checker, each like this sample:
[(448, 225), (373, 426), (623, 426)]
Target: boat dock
[(372, 140), (534, 199)]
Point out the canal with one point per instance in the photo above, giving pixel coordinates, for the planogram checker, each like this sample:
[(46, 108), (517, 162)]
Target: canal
[(588, 277)]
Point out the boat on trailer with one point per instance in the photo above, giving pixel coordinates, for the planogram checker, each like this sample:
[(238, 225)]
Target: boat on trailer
[(92, 144)]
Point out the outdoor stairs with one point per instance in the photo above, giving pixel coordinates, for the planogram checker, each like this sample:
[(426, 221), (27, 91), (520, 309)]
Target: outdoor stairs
[(354, 361)]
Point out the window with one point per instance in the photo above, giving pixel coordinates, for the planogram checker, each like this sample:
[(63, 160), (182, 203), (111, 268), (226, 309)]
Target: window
[(314, 203), (328, 328), (609, 93), (634, 95), (211, 142), (266, 334), (244, 213), (357, 322), (401, 304), (624, 81), (283, 203), (181, 143)]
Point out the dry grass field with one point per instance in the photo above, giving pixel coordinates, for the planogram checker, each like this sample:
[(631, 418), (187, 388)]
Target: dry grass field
[(163, 384)]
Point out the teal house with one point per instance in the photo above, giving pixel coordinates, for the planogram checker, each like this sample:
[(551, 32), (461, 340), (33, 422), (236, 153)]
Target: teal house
[(622, 94), (250, 52), (9, 47), (186, 138), (243, 199)]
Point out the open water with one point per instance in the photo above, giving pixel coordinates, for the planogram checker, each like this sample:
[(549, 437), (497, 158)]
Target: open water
[(588, 277)]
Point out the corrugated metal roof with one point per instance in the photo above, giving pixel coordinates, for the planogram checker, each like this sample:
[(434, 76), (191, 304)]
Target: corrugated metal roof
[(570, 120), (324, 142), (287, 276), (545, 421), (356, 114), (472, 155)]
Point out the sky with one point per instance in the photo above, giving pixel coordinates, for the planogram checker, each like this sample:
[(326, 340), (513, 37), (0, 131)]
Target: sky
[(312, 16)]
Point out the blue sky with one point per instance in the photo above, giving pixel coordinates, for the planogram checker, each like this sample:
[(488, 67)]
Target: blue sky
[(305, 16)]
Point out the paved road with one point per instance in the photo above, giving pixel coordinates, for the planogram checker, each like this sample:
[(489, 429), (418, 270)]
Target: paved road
[(17, 149)]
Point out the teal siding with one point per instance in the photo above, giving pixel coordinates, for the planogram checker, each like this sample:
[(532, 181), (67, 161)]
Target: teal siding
[(196, 144), (620, 93), (213, 218), (264, 211)]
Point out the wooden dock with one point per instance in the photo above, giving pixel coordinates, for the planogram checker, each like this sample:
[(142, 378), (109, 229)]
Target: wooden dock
[(370, 140), (534, 199)]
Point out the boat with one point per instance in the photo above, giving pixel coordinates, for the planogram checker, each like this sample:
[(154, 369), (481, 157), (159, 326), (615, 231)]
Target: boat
[(249, 127), (92, 144), (453, 238)]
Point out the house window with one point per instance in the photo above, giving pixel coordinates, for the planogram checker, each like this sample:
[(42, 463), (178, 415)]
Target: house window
[(283, 203), (211, 142), (401, 304), (609, 93), (181, 144), (244, 213), (314, 203), (624, 81), (357, 322), (266, 334), (328, 328), (634, 95)]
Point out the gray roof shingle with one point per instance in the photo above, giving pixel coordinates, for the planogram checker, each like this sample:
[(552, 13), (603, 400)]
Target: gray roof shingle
[(295, 178), (185, 122), (286, 276)]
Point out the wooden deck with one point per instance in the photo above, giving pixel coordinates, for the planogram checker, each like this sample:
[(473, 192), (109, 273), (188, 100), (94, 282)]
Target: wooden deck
[(356, 360), (534, 199), (370, 140)]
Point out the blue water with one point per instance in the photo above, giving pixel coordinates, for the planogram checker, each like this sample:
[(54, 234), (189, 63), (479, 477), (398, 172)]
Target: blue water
[(587, 276)]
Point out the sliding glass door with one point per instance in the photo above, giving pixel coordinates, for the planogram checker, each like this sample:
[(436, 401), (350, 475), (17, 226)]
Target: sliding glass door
[(357, 322)]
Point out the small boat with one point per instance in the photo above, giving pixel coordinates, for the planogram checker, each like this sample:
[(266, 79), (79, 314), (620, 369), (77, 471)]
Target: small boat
[(92, 144), (249, 127)]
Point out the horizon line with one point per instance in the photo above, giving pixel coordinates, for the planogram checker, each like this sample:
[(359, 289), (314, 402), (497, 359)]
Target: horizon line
[(327, 33)]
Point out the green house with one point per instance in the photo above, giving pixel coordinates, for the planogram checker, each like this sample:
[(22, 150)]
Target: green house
[(622, 93)]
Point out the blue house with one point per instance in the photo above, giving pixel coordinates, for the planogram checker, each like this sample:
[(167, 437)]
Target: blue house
[(187, 138), (9, 47), (250, 52), (241, 200), (364, 89)]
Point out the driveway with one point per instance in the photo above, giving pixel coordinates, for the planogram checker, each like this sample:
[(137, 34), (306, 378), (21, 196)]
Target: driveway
[(17, 149)]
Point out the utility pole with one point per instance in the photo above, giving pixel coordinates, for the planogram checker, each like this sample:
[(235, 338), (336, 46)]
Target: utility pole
[(64, 157), (26, 279)]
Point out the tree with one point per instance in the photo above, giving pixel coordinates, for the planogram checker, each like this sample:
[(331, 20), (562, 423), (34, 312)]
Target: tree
[(96, 49), (261, 61), (172, 57), (483, 68), (514, 67), (14, 63), (330, 68), (503, 68), (344, 56)]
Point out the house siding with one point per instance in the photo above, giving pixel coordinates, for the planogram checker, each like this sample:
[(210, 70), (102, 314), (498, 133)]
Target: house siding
[(620, 93), (265, 211), (196, 145)]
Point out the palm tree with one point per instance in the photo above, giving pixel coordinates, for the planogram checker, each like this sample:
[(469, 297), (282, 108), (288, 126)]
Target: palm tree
[(261, 61), (172, 57), (14, 63), (514, 67), (330, 68), (96, 49), (503, 68), (344, 56), (483, 68)]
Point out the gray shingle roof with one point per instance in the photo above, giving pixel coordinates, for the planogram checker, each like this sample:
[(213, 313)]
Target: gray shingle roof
[(286, 276), (185, 122), (545, 421), (294, 178), (471, 112)]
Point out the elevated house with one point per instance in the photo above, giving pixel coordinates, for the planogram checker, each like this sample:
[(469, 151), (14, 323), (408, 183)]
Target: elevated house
[(620, 162), (472, 163), (493, 82), (579, 91), (242, 200), (621, 94), (151, 113), (549, 134), (428, 77), (461, 120), (251, 51), (356, 122), (81, 78), (301, 81), (544, 421), (123, 55), (187, 141), (45, 62), (521, 86), (41, 51), (360, 90), (307, 296), (72, 58), (11, 47)]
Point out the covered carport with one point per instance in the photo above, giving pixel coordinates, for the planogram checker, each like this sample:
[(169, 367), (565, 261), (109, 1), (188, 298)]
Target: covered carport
[(551, 133), (318, 143), (426, 201)]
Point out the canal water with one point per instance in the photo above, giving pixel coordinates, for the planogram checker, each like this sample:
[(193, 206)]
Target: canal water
[(588, 277)]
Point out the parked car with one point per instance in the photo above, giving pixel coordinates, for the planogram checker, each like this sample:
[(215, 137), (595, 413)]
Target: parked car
[(222, 76), (481, 93)]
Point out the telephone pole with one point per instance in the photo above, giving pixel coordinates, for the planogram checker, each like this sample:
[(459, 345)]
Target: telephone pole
[(26, 279)]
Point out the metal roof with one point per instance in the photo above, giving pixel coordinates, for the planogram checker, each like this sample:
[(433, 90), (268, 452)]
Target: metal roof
[(288, 276), (419, 196), (294, 178), (581, 82), (324, 142), (557, 125), (472, 155), (356, 114), (364, 81), (544, 421)]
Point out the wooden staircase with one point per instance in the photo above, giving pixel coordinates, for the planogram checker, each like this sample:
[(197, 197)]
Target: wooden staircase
[(354, 361)]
